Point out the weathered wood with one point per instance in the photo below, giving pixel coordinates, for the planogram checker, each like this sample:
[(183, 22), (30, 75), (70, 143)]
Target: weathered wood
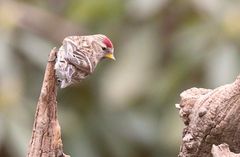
[(210, 117), (222, 150), (46, 135)]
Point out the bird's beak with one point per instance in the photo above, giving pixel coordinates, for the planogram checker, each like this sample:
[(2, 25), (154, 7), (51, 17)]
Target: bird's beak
[(110, 56)]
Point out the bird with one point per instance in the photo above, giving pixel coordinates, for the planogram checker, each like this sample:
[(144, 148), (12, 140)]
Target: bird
[(78, 57)]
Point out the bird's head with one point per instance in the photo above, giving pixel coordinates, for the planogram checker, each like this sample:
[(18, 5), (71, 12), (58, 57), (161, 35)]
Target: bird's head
[(105, 46)]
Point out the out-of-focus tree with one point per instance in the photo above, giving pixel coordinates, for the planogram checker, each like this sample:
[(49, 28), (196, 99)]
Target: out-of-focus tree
[(126, 108)]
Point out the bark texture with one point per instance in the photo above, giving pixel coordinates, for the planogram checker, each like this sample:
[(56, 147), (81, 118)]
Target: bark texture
[(222, 150), (210, 117), (46, 135)]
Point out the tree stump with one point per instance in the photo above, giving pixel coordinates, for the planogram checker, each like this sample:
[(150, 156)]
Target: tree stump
[(46, 134), (210, 117), (222, 150)]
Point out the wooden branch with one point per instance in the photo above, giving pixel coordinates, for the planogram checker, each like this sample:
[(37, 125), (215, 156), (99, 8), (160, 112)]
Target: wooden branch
[(222, 150), (211, 117), (46, 135), (17, 14)]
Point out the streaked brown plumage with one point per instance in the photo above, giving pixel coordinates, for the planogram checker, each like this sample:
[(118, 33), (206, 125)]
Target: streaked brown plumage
[(79, 55)]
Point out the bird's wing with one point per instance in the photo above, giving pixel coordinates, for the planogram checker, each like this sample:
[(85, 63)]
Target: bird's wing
[(76, 56)]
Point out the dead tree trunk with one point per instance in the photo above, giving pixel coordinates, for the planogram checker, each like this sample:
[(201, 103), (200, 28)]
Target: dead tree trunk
[(46, 135), (210, 117), (222, 150)]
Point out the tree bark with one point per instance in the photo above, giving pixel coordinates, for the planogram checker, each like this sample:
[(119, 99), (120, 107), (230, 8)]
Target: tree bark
[(210, 117), (222, 150), (46, 135)]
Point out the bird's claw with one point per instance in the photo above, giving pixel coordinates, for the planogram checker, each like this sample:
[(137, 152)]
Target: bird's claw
[(53, 55)]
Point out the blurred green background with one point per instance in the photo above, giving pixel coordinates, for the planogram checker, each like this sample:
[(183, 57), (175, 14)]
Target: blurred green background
[(126, 108)]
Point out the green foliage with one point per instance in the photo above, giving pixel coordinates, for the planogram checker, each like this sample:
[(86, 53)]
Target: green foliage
[(126, 108)]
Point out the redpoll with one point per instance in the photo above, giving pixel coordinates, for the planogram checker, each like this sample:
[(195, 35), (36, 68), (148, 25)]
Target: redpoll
[(79, 55)]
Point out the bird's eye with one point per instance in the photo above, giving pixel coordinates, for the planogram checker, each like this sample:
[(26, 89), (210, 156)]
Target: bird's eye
[(104, 48)]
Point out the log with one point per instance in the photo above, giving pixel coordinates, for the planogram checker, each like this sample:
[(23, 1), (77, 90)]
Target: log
[(223, 150), (210, 117), (46, 134)]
